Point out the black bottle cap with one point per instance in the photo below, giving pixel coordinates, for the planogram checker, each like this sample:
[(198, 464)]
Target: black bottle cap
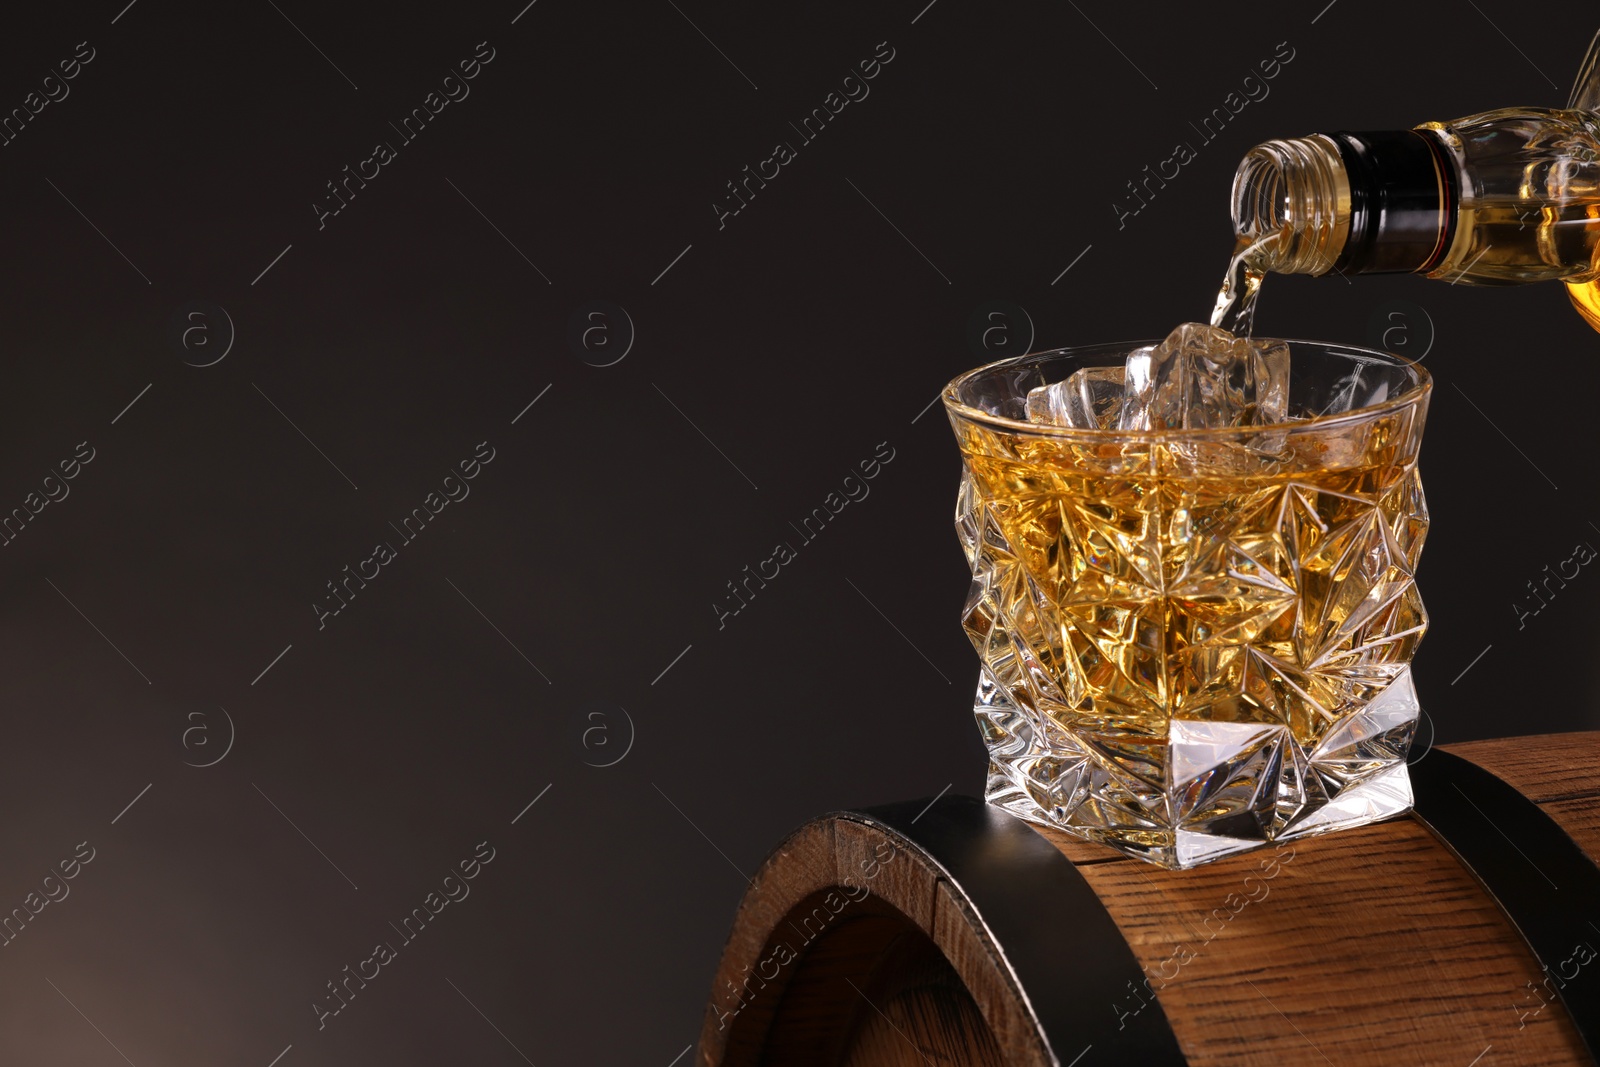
[(1402, 202)]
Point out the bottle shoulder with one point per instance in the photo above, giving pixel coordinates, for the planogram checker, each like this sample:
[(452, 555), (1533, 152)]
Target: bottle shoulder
[(1520, 132)]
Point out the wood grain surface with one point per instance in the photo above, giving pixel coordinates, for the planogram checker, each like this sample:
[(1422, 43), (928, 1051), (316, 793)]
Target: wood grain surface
[(1367, 946)]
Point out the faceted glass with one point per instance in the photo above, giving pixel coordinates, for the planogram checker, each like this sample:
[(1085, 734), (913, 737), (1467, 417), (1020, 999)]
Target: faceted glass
[(1196, 642)]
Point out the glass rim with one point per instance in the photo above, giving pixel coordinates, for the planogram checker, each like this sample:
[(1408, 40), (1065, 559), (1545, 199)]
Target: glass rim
[(1416, 393)]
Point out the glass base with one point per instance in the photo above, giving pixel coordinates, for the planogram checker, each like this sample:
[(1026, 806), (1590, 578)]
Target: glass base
[(1210, 789)]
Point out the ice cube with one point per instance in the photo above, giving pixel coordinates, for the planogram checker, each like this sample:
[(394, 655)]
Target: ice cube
[(1087, 400), (1270, 370), (1205, 377)]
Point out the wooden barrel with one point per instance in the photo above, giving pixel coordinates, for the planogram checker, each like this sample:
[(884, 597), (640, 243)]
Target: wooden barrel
[(958, 934)]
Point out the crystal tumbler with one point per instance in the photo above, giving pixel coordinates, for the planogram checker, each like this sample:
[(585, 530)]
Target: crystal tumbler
[(1196, 642)]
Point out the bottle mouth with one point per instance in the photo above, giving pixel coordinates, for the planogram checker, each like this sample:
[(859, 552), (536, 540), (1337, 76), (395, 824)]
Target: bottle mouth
[(1291, 205)]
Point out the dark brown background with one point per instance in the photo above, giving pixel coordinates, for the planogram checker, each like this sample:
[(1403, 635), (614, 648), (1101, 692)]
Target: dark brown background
[(796, 339)]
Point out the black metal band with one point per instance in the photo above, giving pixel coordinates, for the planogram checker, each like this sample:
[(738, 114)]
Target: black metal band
[(1079, 976), (1545, 884)]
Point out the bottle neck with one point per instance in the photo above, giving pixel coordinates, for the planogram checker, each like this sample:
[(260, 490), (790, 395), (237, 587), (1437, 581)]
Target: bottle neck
[(1356, 203)]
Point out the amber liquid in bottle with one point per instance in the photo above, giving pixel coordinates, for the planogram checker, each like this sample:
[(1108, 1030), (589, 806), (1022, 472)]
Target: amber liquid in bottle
[(1504, 197)]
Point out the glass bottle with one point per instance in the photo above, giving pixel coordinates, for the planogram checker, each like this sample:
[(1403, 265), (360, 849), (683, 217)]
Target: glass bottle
[(1498, 198)]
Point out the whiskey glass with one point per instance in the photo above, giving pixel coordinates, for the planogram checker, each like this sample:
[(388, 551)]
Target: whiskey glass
[(1194, 642)]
